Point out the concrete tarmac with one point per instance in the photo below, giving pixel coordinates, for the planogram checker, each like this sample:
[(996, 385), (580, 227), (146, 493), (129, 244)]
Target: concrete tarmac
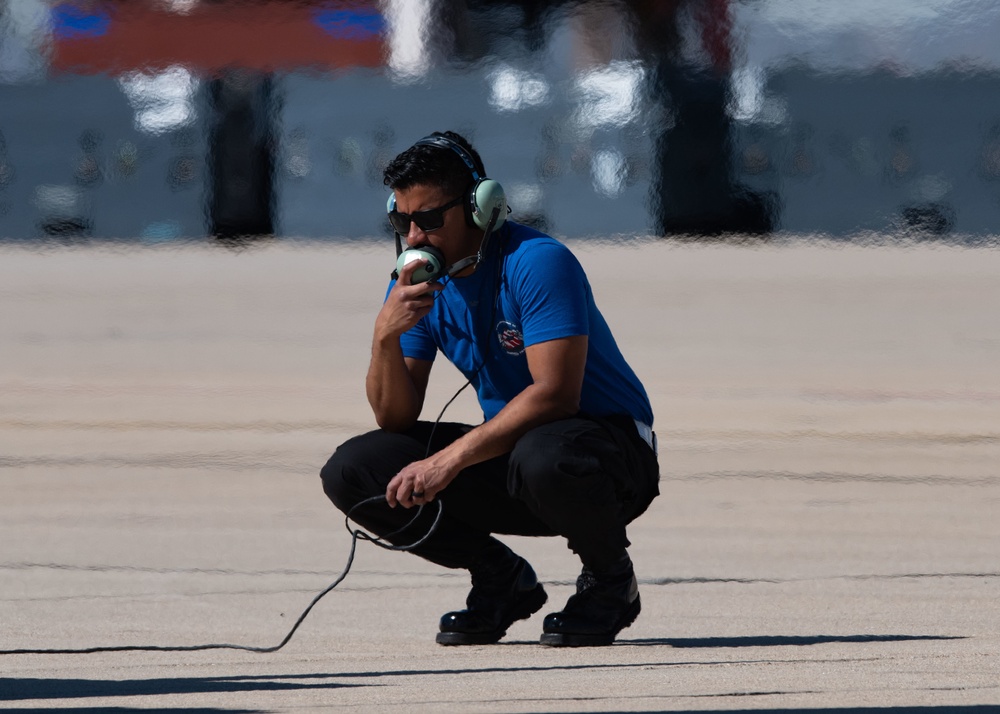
[(826, 539)]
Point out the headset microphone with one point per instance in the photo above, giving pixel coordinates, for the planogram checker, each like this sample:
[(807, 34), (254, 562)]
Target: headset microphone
[(430, 271)]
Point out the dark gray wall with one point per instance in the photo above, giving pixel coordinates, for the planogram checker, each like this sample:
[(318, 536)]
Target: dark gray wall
[(643, 135)]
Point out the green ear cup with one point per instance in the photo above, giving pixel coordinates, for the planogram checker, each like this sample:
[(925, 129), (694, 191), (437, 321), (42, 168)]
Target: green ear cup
[(487, 195)]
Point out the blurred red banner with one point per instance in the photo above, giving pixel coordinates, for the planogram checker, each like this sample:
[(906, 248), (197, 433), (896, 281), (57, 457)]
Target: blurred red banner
[(207, 38)]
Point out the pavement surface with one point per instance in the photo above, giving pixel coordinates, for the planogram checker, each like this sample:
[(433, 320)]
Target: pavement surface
[(826, 539)]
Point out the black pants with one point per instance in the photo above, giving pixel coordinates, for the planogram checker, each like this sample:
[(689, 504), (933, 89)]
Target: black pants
[(583, 478)]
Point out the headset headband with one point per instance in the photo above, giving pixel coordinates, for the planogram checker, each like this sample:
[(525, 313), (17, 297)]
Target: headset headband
[(443, 142)]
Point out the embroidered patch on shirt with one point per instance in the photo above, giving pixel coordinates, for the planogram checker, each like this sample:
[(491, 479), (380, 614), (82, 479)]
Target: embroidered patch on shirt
[(511, 338)]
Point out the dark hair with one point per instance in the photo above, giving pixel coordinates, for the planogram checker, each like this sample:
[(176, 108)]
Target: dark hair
[(433, 165)]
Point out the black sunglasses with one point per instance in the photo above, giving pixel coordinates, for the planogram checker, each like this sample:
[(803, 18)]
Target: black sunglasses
[(427, 221)]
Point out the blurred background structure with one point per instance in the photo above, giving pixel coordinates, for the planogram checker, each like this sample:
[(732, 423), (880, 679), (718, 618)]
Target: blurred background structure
[(159, 120)]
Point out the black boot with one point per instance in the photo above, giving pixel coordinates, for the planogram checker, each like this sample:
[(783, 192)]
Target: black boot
[(503, 591), (603, 606)]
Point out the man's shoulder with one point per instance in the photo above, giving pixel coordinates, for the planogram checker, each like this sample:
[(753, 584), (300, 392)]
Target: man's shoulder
[(540, 263), (530, 243)]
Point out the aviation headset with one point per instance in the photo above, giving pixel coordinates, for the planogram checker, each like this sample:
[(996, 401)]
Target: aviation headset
[(484, 207)]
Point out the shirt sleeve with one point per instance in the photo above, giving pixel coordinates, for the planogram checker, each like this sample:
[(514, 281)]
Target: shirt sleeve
[(552, 292)]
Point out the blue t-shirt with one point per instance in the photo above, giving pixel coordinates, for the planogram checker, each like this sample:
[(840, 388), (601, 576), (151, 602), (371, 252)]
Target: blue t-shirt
[(544, 295)]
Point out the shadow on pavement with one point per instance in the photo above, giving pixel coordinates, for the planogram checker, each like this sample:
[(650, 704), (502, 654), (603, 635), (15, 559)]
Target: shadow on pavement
[(156, 710), (24, 689), (777, 640), (943, 709)]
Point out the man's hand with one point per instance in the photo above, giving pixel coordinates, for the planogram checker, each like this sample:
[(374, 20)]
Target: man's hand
[(406, 303), (420, 481)]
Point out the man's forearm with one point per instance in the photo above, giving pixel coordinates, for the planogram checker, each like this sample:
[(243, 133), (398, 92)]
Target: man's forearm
[(396, 393), (557, 368), (391, 392), (532, 407)]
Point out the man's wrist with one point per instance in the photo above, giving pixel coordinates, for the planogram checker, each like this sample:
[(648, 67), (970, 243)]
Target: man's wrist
[(386, 341), (451, 457)]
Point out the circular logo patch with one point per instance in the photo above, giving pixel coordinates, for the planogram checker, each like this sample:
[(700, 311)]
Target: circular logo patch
[(511, 338)]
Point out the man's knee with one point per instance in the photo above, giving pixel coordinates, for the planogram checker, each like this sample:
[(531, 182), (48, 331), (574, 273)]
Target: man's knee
[(347, 476), (335, 482)]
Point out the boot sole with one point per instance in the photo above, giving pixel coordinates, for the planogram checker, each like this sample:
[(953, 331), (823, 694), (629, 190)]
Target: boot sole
[(603, 639), (531, 604)]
